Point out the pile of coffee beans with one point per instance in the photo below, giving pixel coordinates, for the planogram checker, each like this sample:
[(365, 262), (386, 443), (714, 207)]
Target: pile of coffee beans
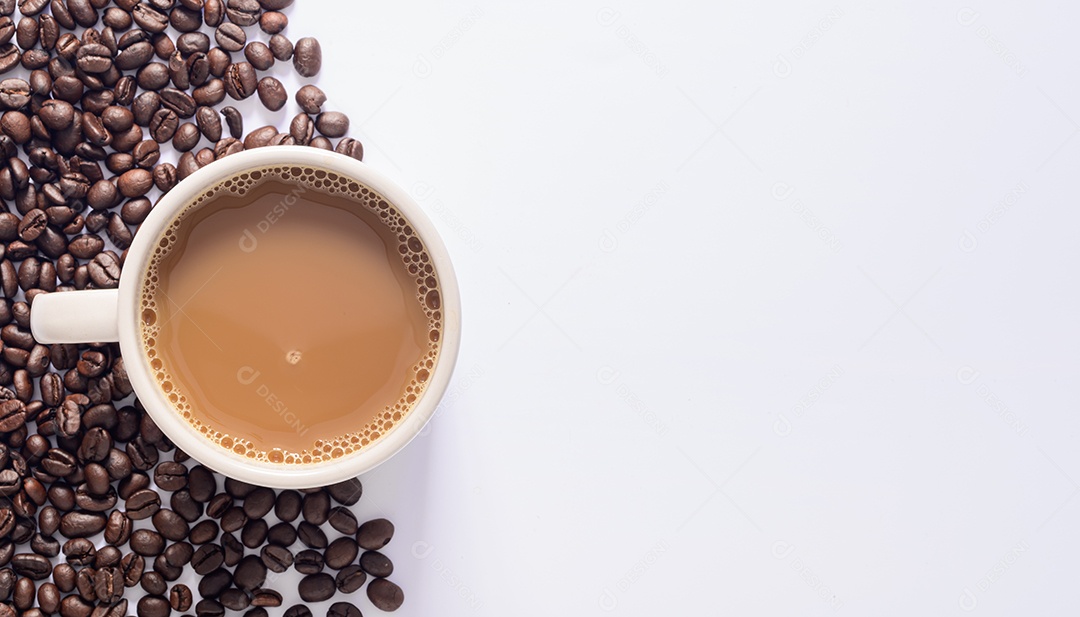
[(97, 96)]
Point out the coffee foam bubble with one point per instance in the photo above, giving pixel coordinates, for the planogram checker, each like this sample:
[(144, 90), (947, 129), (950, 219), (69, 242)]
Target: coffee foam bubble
[(417, 263)]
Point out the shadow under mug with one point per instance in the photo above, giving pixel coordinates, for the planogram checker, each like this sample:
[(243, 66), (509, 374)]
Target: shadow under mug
[(113, 315)]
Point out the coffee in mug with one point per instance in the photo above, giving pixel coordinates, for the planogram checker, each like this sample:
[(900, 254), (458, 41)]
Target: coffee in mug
[(291, 315)]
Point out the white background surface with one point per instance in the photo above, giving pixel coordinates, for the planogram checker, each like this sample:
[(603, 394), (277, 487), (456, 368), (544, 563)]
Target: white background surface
[(770, 307)]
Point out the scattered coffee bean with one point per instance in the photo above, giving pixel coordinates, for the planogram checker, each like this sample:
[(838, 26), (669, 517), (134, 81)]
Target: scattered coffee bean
[(307, 57), (350, 578), (343, 609), (376, 564), (375, 534), (385, 595), (317, 587)]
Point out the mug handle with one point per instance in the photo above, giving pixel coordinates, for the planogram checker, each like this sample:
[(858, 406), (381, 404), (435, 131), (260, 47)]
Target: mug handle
[(88, 316)]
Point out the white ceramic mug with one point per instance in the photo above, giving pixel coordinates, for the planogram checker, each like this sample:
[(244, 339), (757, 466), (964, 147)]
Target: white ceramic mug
[(112, 315)]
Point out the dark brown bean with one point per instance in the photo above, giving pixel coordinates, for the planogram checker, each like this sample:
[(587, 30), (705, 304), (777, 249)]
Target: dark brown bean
[(259, 55), (310, 99), (240, 80), (350, 578), (332, 123), (317, 587), (385, 595), (307, 57), (281, 47), (272, 93), (273, 22)]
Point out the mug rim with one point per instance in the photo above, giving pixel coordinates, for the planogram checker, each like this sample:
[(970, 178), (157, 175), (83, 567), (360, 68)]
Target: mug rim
[(188, 438)]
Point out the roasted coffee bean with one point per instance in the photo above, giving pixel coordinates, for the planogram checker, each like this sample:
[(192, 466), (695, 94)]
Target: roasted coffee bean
[(250, 573), (149, 18), (351, 147), (109, 584), (317, 587), (192, 42), (74, 606), (307, 56), (45, 546), (135, 211), (209, 608), (209, 123), (298, 610), (213, 583), (259, 55), (145, 106), (79, 524), (170, 525), (341, 553), (153, 583), (94, 58), (309, 562), (165, 177), (151, 543), (281, 534), (243, 12), (170, 476), (146, 154), (204, 532), (230, 37), (385, 595), (235, 599), (234, 550), (177, 555), (235, 121), (178, 101), (24, 594), (253, 535), (376, 564), (272, 93), (332, 123), (143, 455), (48, 598), (311, 536), (350, 579), (163, 125), (180, 597), (310, 99), (265, 597), (116, 18), (281, 47), (343, 609), (186, 137), (108, 557), (26, 32), (260, 137), (79, 552), (60, 495), (276, 558), (153, 606), (273, 22), (233, 519), (302, 128), (240, 81), (207, 558), (35, 567), (185, 19), (136, 182), (316, 507), (14, 93), (104, 270), (142, 504), (211, 93), (375, 534)]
